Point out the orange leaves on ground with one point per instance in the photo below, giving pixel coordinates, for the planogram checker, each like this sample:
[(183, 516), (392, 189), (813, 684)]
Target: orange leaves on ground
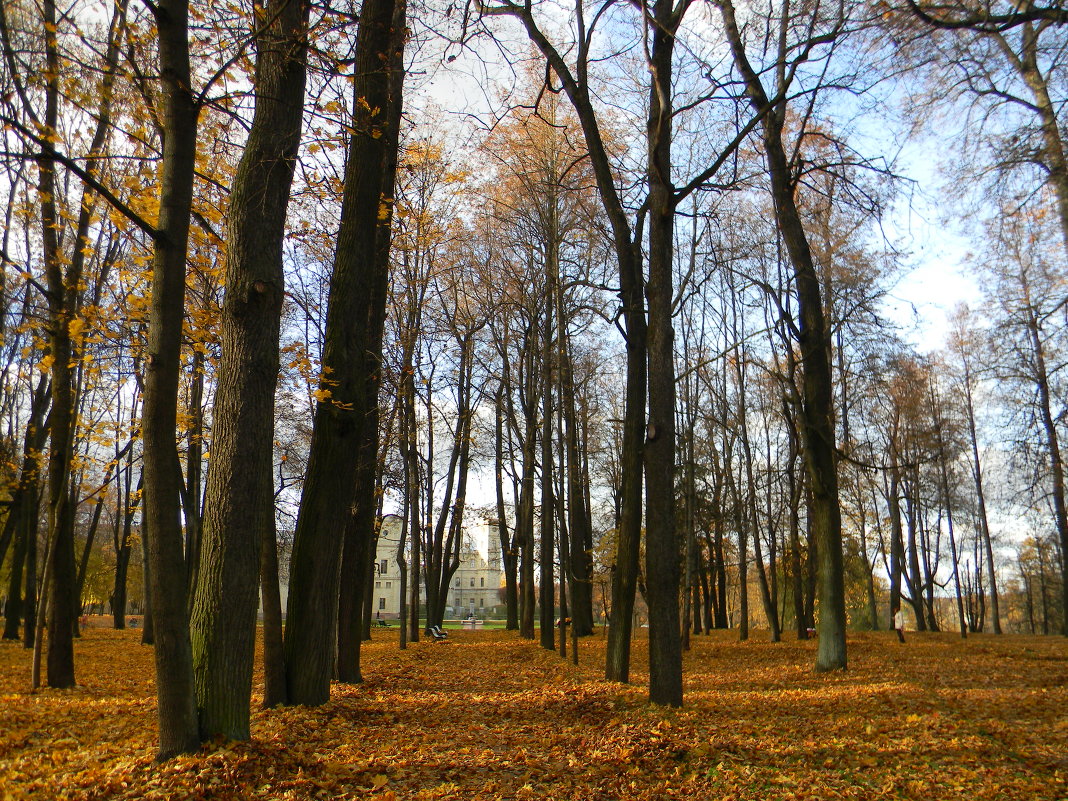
[(487, 716)]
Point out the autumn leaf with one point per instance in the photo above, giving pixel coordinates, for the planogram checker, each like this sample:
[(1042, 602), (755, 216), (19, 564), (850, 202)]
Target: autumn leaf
[(492, 717)]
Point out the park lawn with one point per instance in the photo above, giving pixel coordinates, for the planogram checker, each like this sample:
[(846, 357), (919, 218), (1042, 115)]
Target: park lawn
[(487, 716)]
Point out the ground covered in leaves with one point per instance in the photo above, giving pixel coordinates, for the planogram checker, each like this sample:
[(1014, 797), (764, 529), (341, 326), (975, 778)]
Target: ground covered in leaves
[(487, 716)]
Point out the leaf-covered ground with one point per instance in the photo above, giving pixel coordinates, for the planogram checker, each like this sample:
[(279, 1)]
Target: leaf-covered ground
[(487, 716)]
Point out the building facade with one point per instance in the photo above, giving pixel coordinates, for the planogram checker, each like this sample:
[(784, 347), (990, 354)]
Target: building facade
[(475, 589)]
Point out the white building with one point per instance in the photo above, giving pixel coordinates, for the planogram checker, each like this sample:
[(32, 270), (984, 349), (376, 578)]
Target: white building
[(475, 588)]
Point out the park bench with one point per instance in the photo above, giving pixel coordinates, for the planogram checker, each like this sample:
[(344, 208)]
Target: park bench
[(382, 624), (436, 633)]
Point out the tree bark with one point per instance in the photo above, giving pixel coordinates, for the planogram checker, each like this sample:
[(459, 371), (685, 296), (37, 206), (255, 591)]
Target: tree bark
[(661, 539), (509, 555), (23, 511), (274, 667), (547, 594), (176, 703), (339, 417), (239, 505)]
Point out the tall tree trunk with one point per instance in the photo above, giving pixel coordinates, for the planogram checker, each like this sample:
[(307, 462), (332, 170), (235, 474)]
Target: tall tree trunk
[(339, 415), (797, 581), (355, 560), (23, 511), (661, 541), (30, 606), (579, 560), (1056, 466), (240, 499), (274, 667), (176, 703), (897, 544), (148, 629), (912, 575), (356, 622), (749, 501), (191, 496), (62, 308), (946, 499), (34, 438), (980, 497), (547, 594), (123, 549), (525, 521), (409, 444), (412, 497), (509, 555)]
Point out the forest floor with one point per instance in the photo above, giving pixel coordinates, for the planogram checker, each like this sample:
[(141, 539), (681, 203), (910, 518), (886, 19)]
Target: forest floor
[(487, 716)]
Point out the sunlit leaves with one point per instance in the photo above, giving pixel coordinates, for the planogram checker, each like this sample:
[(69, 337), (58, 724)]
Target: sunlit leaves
[(488, 717)]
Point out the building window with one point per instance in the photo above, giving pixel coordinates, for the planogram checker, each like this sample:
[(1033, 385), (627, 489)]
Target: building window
[(472, 582), (384, 566), (482, 581), (381, 603), (389, 584), (378, 584)]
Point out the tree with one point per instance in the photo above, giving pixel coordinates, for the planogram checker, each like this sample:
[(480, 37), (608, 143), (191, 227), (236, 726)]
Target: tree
[(1010, 63), (642, 362), (813, 333), (1026, 284), (962, 343), (342, 401), (179, 113), (240, 502)]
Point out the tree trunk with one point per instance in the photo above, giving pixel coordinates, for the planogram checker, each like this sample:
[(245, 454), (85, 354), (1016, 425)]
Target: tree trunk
[(124, 550), (13, 607), (624, 582), (1056, 463), (797, 581), (176, 703), (274, 667), (239, 510), (148, 630), (980, 496), (191, 495), (525, 521), (22, 513), (912, 574), (547, 594), (578, 557), (339, 417), (62, 308), (355, 560), (509, 556), (661, 541)]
